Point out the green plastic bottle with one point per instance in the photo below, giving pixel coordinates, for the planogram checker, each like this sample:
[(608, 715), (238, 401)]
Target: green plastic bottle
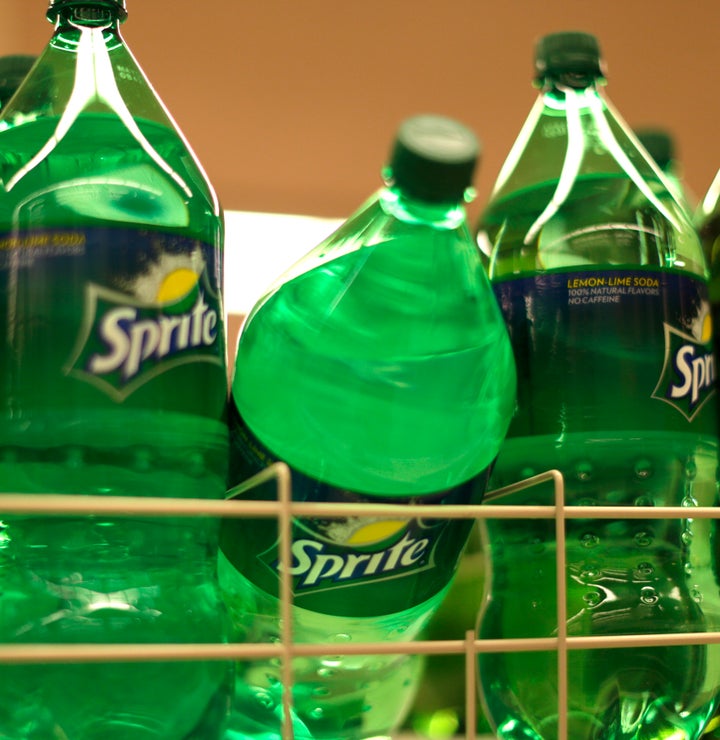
[(603, 286), (707, 222), (379, 369), (113, 377)]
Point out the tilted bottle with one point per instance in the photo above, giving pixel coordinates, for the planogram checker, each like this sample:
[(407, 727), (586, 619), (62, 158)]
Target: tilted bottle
[(113, 377), (379, 369), (603, 286)]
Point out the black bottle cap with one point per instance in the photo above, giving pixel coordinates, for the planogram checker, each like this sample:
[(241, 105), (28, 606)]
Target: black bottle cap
[(573, 52), (434, 158), (13, 70), (55, 5), (659, 143)]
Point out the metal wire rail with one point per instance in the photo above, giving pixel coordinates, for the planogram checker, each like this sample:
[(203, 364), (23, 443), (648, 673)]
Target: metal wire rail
[(285, 510)]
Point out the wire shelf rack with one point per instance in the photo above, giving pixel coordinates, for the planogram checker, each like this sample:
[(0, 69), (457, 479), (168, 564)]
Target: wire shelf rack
[(284, 510)]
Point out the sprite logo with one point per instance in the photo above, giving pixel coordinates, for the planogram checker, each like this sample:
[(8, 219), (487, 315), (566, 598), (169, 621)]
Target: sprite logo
[(347, 552), (127, 339), (687, 380)]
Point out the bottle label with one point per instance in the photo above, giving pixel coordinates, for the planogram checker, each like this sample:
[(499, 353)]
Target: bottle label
[(598, 340), (115, 307), (687, 381), (348, 566)]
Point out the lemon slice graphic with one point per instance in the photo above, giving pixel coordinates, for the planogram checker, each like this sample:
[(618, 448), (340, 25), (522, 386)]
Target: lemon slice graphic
[(707, 329), (176, 284), (376, 531)]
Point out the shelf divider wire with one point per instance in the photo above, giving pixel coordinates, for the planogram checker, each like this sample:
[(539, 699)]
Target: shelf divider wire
[(284, 509)]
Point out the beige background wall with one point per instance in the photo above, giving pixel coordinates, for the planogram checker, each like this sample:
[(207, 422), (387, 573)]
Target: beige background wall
[(291, 104)]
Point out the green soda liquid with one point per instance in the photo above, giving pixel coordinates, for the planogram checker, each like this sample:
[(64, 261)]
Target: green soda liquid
[(382, 375), (624, 576), (605, 336), (112, 386), (374, 402)]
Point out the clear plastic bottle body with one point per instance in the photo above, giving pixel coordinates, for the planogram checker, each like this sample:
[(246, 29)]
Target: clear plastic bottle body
[(379, 370), (379, 323), (113, 376), (602, 283), (707, 222)]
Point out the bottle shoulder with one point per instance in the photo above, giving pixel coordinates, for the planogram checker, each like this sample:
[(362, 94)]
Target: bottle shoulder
[(86, 69), (578, 189), (100, 171), (85, 139), (601, 220), (576, 135), (385, 217)]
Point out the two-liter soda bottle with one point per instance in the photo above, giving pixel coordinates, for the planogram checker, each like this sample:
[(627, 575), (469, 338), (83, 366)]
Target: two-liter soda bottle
[(379, 369), (603, 285), (112, 383)]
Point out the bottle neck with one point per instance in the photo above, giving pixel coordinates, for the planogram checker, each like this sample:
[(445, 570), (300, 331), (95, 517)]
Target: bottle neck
[(87, 15), (559, 97), (398, 204), (559, 82), (83, 20)]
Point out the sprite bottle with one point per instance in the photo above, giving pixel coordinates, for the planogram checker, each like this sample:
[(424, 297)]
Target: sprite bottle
[(707, 222), (379, 369), (603, 286), (113, 377)]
